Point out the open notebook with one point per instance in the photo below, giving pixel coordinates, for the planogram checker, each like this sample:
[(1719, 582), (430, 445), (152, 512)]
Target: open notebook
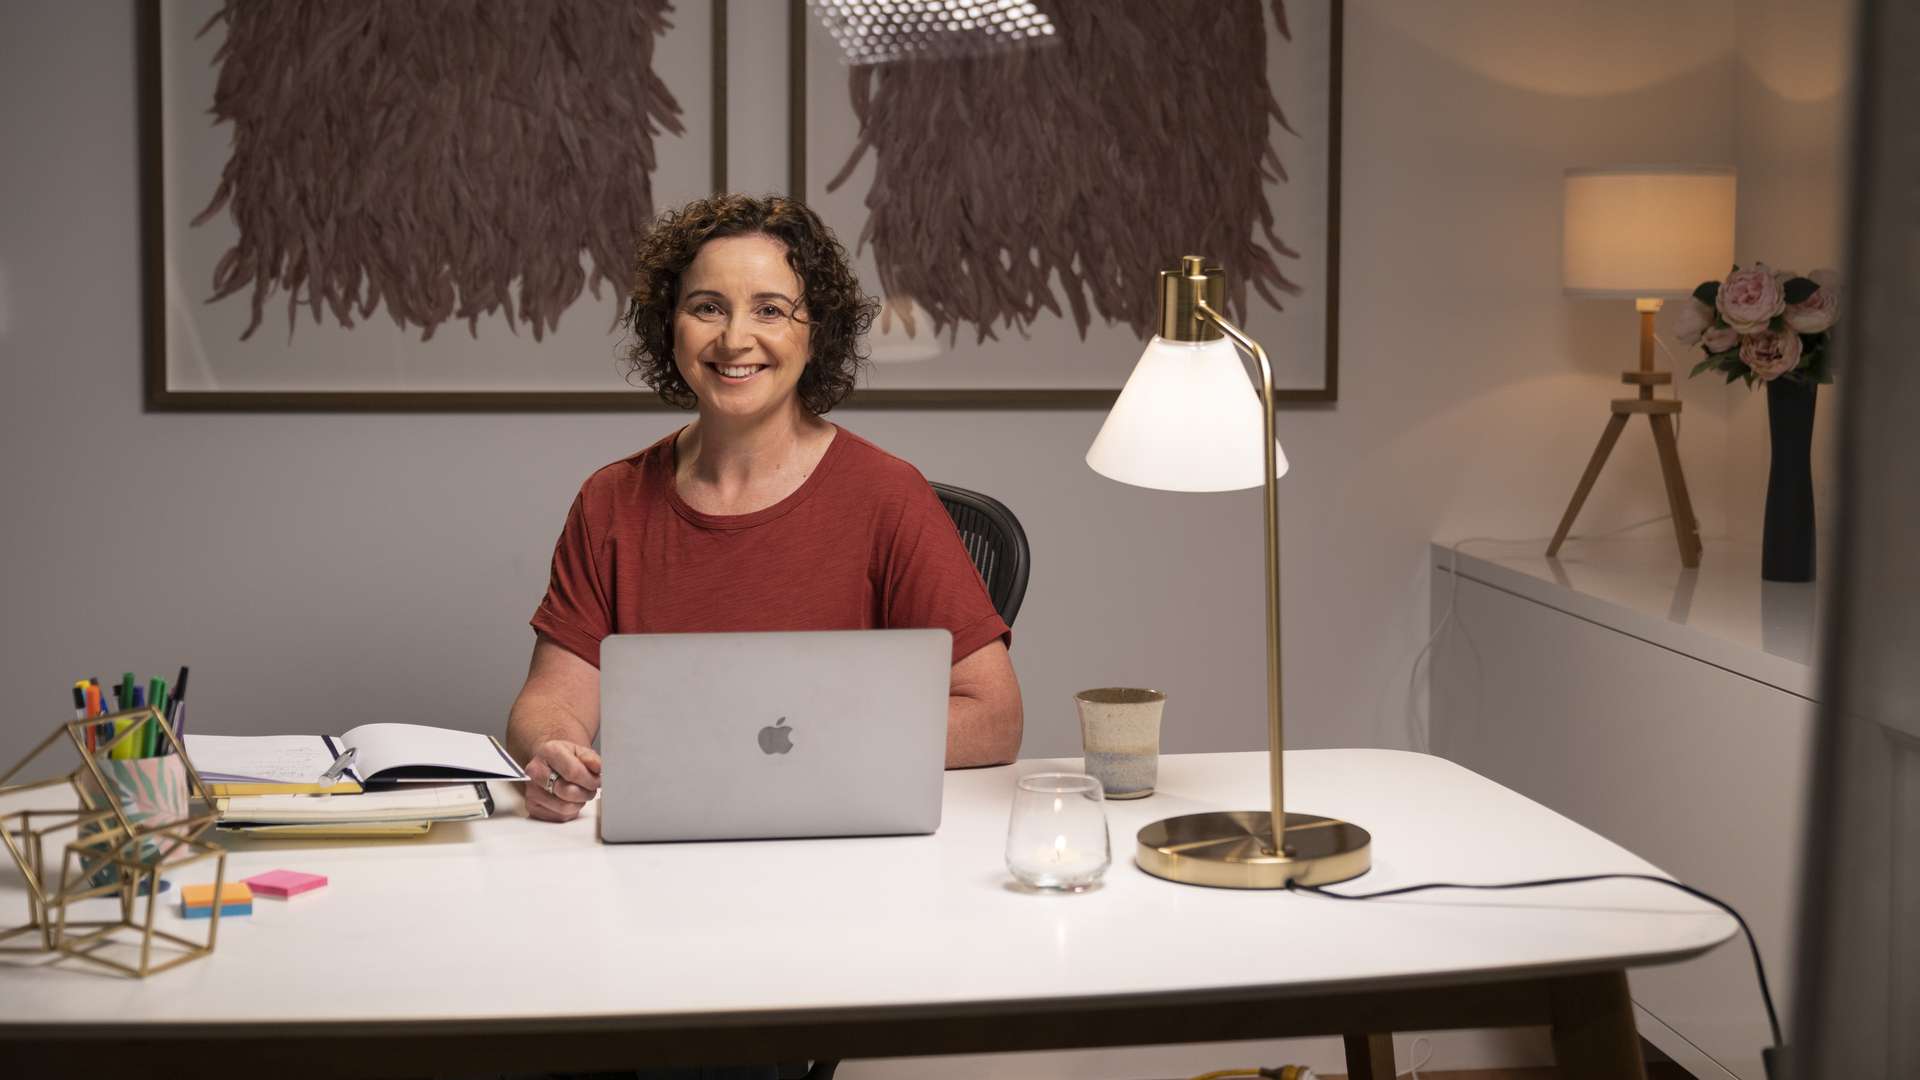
[(383, 753)]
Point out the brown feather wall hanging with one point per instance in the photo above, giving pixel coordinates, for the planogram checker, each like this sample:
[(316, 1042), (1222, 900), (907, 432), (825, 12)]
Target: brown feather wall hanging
[(430, 155), (1138, 134)]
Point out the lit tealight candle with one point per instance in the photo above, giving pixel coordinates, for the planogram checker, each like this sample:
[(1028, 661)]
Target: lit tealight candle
[(1059, 839)]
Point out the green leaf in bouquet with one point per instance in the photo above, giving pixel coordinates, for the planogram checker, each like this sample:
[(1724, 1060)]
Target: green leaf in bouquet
[(1707, 292), (1798, 289), (1703, 365)]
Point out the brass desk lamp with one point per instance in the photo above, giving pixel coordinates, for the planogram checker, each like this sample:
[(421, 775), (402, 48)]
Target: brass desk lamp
[(1187, 420)]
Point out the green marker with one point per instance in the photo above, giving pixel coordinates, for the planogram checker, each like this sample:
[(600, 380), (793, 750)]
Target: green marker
[(156, 699)]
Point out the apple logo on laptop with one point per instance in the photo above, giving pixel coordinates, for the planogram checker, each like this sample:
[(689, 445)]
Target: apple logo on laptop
[(776, 738)]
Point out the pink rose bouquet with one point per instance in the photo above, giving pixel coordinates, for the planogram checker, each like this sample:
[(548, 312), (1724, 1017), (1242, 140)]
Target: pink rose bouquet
[(1763, 324)]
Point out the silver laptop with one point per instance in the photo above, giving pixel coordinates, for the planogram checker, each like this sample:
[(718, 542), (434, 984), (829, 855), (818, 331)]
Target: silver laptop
[(765, 736)]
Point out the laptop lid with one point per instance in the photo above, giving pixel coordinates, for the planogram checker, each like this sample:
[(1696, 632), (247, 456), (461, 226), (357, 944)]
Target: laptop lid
[(772, 735)]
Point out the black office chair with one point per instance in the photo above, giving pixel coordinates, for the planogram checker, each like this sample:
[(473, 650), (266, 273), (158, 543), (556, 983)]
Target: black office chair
[(995, 542)]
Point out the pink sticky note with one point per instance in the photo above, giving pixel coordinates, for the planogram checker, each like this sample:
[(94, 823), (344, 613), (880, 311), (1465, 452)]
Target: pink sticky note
[(285, 883)]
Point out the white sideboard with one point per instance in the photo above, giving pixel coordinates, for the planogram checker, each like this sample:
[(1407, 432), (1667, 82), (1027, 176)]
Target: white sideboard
[(1670, 710)]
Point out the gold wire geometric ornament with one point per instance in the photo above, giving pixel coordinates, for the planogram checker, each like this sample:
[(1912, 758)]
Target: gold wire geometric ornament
[(119, 849)]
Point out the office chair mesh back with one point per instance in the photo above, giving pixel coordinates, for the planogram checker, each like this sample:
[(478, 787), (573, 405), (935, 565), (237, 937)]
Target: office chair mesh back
[(995, 542)]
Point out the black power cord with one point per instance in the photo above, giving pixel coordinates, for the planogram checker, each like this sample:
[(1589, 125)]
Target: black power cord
[(1759, 966)]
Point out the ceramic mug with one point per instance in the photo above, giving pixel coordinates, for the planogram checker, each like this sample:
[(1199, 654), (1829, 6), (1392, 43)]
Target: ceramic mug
[(1120, 732)]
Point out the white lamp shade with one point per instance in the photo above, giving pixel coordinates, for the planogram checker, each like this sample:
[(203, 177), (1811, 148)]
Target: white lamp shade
[(1646, 232), (1187, 420)]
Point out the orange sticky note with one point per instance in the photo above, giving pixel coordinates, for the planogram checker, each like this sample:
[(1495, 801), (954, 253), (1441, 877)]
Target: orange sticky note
[(233, 892)]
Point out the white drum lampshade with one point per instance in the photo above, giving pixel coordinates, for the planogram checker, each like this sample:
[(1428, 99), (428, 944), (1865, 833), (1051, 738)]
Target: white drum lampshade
[(1187, 420), (1647, 231)]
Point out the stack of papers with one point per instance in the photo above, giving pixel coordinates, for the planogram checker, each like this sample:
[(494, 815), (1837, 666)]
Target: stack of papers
[(408, 811)]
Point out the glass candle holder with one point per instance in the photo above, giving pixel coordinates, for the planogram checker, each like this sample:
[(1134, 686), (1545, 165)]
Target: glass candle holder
[(1057, 834)]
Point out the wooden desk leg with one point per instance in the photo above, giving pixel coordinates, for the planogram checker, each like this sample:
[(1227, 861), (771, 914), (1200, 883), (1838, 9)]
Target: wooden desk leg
[(1370, 1057), (1615, 425), (1593, 1033)]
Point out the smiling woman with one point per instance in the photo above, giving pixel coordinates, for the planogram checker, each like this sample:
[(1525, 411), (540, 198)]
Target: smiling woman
[(760, 514), (796, 278)]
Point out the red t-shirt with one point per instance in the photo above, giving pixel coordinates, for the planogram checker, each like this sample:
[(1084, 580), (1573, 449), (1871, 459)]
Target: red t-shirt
[(864, 543)]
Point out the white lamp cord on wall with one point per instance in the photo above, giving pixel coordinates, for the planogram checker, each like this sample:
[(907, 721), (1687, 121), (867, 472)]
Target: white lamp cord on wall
[(1453, 593)]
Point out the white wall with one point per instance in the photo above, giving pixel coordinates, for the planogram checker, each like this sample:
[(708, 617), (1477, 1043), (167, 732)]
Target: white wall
[(1791, 115), (320, 570)]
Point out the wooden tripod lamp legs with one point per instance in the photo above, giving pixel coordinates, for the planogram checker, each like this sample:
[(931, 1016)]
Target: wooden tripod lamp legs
[(1615, 425), (1686, 530)]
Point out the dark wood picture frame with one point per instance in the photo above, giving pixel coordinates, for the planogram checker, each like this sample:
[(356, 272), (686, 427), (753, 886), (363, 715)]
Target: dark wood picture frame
[(159, 397)]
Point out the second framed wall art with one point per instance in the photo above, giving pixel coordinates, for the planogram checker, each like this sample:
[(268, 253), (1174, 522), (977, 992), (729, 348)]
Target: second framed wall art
[(1014, 195)]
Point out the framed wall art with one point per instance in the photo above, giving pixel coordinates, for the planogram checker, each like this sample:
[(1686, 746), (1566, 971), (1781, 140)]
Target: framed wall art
[(1015, 177), (411, 206)]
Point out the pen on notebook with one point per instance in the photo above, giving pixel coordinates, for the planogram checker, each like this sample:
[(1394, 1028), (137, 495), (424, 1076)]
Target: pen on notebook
[(339, 766)]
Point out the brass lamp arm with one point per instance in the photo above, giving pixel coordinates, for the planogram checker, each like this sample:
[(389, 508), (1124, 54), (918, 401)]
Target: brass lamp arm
[(1276, 743)]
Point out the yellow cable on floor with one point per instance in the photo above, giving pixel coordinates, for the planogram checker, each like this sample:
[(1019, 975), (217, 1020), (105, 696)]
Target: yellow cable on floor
[(1281, 1073)]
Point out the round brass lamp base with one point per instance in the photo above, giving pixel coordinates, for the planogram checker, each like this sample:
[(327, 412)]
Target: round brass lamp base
[(1232, 849)]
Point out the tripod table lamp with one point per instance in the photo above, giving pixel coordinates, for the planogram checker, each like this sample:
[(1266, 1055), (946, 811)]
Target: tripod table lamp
[(1188, 420), (1643, 234)]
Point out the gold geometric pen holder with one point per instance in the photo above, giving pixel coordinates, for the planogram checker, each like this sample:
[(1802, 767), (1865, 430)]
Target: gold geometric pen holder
[(130, 818)]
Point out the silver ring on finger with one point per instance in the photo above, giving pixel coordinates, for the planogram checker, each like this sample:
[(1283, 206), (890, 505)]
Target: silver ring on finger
[(552, 779)]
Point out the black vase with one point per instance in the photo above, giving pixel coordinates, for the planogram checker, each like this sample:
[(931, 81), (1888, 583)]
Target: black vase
[(1786, 545)]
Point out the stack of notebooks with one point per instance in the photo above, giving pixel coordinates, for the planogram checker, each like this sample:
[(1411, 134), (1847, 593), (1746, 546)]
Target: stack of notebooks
[(407, 811), (376, 780)]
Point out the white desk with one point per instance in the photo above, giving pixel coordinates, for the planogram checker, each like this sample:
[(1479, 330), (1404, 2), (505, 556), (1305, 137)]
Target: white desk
[(517, 944)]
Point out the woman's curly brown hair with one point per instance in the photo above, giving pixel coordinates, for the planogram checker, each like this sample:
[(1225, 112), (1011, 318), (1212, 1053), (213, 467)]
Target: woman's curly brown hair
[(837, 313)]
